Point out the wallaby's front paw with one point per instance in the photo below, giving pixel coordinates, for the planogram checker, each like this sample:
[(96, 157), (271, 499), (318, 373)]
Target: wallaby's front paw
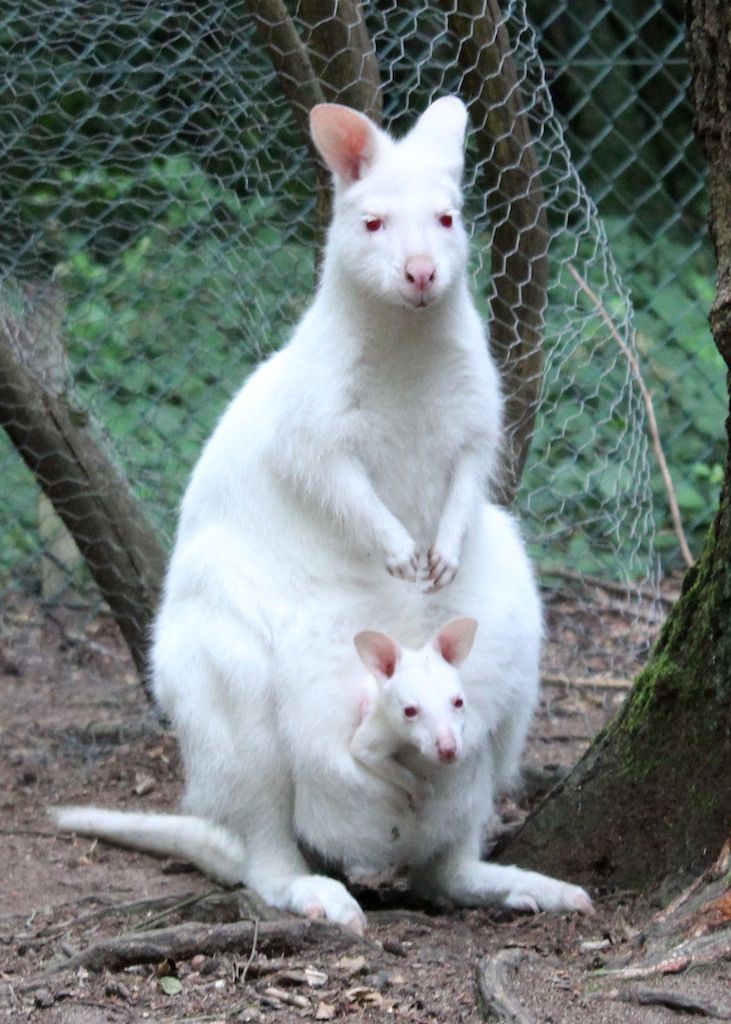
[(404, 562), (442, 568)]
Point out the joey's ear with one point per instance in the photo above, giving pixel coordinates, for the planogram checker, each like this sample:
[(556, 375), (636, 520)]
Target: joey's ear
[(454, 642), (346, 139), (442, 128), (378, 652)]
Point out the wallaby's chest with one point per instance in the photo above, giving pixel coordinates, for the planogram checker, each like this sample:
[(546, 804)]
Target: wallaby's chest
[(418, 410), (408, 425)]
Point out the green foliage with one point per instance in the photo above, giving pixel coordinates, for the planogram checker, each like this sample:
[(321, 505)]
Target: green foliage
[(578, 476), (619, 79), (673, 288), (91, 94), (162, 334)]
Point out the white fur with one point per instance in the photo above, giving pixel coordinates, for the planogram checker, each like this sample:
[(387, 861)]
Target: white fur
[(343, 490)]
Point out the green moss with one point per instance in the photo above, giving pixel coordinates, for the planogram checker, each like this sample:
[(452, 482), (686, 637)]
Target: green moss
[(691, 662)]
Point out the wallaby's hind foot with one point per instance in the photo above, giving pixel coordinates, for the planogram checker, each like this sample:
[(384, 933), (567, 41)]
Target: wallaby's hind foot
[(474, 883), (317, 896)]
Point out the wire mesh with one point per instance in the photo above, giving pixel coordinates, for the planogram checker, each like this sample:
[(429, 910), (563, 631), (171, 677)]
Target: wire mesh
[(160, 228), (620, 79)]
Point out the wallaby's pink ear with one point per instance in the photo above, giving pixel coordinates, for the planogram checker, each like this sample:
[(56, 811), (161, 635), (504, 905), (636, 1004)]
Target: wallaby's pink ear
[(346, 139), (378, 652), (454, 642)]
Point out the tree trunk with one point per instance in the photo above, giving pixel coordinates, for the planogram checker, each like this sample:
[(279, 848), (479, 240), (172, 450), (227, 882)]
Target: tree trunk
[(89, 492), (342, 54), (519, 254), (651, 798)]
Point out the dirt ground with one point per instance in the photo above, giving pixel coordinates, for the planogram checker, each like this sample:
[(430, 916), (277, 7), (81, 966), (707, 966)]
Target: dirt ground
[(76, 727)]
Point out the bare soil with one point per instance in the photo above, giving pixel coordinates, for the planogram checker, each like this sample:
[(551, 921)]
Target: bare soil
[(75, 726)]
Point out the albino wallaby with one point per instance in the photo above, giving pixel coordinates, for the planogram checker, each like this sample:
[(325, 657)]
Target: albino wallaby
[(351, 463), (413, 701)]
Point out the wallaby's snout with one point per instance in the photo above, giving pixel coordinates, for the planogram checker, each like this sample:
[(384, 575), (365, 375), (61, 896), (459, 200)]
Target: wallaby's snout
[(420, 272), (447, 747)]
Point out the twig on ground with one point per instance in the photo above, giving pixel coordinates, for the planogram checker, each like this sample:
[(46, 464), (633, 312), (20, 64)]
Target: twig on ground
[(182, 904), (495, 997), (252, 953), (598, 682), (29, 919), (649, 408), (672, 1000), (41, 833), (387, 916), (612, 586)]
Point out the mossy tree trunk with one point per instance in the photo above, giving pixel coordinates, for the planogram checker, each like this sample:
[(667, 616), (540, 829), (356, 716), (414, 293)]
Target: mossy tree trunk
[(651, 799)]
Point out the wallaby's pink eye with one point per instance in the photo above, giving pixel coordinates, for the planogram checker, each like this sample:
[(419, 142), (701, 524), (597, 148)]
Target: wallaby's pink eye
[(457, 702), (410, 711), (446, 220), (373, 224)]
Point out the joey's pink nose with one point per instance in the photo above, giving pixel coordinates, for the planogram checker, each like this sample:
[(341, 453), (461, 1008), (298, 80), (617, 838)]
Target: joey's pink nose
[(447, 748), (420, 272)]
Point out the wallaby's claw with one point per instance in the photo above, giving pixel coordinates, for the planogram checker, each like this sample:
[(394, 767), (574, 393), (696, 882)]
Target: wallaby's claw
[(405, 564), (356, 923), (441, 570), (315, 911)]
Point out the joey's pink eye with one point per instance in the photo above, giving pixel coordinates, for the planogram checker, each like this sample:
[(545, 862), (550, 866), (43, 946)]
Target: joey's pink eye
[(457, 702), (410, 711), (373, 224), (446, 220)]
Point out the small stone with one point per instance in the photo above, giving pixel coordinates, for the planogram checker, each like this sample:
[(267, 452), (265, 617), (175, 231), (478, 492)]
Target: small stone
[(43, 998)]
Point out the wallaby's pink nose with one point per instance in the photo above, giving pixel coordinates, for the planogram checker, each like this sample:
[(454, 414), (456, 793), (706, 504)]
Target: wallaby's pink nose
[(447, 747), (420, 271)]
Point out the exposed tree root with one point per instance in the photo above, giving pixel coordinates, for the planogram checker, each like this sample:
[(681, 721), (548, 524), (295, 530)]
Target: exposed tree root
[(672, 1000), (694, 952), (693, 930), (184, 941), (495, 996)]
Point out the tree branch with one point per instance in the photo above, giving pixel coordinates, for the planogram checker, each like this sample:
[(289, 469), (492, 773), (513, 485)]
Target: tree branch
[(650, 410), (61, 446)]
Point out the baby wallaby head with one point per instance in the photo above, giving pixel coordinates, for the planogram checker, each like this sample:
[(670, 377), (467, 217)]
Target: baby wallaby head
[(420, 692), (397, 232)]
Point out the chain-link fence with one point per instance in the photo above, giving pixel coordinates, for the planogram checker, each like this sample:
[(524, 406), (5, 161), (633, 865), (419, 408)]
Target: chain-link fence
[(160, 228), (619, 76)]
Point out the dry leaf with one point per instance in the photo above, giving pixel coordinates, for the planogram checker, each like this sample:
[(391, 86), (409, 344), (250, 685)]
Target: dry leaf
[(325, 1011), (143, 784), (288, 998), (352, 965), (713, 914), (363, 994), (315, 978)]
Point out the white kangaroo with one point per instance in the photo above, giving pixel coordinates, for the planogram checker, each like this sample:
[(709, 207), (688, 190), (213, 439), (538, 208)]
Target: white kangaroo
[(413, 705), (343, 489)]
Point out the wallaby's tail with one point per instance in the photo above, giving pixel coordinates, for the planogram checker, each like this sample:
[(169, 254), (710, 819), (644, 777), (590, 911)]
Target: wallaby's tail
[(213, 850)]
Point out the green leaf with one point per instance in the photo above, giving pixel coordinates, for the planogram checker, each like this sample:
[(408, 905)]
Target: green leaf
[(171, 986)]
